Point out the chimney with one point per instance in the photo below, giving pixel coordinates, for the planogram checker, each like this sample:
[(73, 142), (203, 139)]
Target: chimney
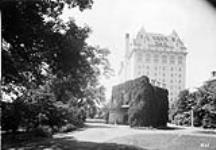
[(213, 74), (127, 45)]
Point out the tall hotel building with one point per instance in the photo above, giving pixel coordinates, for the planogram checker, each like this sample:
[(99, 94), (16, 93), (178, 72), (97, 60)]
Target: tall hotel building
[(162, 58)]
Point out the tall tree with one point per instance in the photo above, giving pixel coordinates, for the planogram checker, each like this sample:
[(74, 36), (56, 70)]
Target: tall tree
[(202, 103), (38, 42), (33, 33), (182, 103), (40, 50)]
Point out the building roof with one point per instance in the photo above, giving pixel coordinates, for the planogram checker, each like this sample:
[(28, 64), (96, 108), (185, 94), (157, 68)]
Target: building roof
[(158, 40)]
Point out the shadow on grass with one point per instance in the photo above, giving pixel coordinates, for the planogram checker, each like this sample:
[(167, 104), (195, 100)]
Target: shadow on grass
[(97, 126), (206, 132), (87, 126), (66, 144), (158, 128), (169, 128)]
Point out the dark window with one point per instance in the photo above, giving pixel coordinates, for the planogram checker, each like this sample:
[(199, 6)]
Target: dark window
[(164, 59), (148, 58), (156, 58), (172, 60), (180, 60)]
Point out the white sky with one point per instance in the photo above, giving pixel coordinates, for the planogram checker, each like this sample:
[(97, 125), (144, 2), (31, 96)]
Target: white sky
[(194, 21)]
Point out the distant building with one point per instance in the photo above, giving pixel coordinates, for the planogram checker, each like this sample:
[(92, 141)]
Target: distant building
[(211, 83), (161, 58), (213, 75)]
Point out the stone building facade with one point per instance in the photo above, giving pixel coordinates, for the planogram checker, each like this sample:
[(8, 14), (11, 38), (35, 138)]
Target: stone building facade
[(160, 57)]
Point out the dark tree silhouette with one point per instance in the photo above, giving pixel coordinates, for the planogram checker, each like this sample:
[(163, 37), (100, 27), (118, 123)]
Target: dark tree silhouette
[(47, 64)]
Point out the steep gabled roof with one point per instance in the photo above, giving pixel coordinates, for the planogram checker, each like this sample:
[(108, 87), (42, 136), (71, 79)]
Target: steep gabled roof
[(158, 40)]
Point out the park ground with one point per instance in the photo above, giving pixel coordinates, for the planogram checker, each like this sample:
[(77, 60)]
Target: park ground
[(100, 136)]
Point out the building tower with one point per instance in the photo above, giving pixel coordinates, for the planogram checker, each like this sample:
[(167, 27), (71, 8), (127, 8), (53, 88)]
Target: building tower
[(161, 58)]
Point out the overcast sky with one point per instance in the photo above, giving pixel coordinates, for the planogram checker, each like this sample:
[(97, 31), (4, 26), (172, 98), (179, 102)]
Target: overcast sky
[(193, 20)]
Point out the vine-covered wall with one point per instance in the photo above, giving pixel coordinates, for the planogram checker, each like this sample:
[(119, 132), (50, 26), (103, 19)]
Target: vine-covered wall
[(146, 105)]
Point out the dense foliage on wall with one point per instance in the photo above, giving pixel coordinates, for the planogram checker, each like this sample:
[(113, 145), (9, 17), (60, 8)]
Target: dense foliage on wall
[(49, 73), (202, 103), (148, 104), (161, 108)]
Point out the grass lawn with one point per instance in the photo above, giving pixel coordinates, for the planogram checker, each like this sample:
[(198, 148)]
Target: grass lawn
[(132, 142), (109, 137), (169, 141)]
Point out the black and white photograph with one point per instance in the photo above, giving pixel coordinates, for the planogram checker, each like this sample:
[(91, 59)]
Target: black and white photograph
[(108, 74)]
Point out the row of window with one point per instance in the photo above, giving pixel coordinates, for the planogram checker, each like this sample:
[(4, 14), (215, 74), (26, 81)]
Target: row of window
[(155, 74), (174, 93), (164, 59), (172, 75), (175, 87), (163, 68), (163, 74), (172, 81)]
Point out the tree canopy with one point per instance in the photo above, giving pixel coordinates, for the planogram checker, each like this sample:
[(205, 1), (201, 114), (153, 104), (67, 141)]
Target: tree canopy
[(46, 60), (35, 36), (203, 104)]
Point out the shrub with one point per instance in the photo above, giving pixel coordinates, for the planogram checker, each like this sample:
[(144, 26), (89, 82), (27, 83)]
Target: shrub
[(12, 115), (209, 121), (43, 131), (41, 111), (183, 119), (68, 128), (75, 115)]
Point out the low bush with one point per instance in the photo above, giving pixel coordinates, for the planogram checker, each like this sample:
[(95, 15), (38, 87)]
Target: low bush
[(68, 128), (209, 121), (182, 119), (43, 131), (12, 115), (28, 116)]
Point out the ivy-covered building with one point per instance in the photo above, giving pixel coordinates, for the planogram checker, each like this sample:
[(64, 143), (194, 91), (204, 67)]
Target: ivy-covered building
[(139, 103)]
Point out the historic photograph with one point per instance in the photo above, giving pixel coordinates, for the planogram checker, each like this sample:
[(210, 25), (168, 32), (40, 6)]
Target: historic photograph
[(108, 74)]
